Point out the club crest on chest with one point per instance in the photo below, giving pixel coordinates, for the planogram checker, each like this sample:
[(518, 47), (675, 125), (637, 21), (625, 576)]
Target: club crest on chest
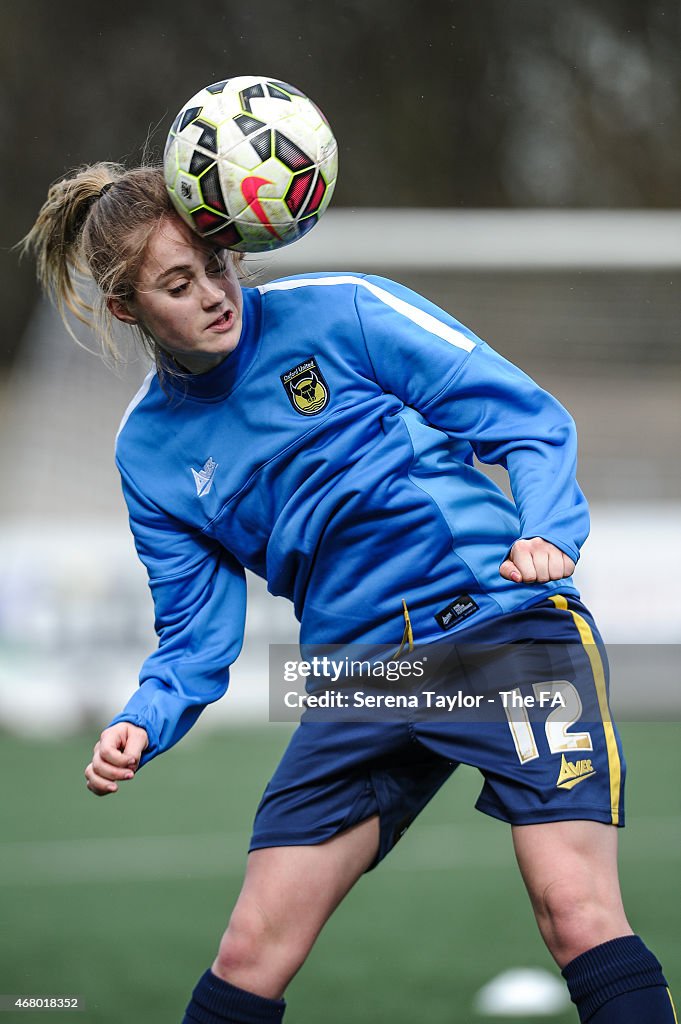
[(306, 387)]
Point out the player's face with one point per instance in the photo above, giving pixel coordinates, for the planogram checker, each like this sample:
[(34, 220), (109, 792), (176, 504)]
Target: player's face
[(188, 297)]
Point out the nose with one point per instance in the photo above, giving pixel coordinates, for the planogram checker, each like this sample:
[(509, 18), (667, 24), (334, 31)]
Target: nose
[(212, 292)]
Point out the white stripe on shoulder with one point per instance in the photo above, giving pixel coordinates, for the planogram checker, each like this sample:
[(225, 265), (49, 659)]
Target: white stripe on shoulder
[(418, 316), (146, 384)]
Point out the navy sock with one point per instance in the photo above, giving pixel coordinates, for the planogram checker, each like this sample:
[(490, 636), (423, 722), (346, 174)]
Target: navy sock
[(619, 982), (215, 1001)]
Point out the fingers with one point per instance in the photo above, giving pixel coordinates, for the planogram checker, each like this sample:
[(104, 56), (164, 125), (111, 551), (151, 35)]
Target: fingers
[(509, 571), (106, 769), (523, 558), (536, 561), (122, 745), (115, 758)]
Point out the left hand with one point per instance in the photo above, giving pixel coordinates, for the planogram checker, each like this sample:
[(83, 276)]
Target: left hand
[(536, 561)]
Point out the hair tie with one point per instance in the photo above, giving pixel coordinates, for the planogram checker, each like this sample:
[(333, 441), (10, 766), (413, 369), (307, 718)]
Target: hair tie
[(82, 214)]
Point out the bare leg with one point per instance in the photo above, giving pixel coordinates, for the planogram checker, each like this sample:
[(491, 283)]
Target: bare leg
[(288, 894), (570, 870)]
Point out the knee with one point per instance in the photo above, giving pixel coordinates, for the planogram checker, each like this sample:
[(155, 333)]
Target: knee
[(574, 917), (257, 955), (243, 943)]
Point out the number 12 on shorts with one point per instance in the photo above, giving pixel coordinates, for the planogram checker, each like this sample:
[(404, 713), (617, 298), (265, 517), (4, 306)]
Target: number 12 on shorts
[(558, 692)]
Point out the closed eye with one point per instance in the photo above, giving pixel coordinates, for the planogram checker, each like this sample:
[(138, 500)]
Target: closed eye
[(178, 289)]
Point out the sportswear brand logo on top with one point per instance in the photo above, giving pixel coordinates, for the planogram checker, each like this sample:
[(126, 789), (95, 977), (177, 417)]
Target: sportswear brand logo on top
[(306, 388), (204, 477), (456, 611), (572, 772)]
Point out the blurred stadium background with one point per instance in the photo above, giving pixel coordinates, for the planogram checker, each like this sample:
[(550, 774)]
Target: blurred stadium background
[(542, 212)]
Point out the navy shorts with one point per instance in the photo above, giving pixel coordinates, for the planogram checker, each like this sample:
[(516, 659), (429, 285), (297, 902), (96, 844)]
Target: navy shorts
[(540, 733)]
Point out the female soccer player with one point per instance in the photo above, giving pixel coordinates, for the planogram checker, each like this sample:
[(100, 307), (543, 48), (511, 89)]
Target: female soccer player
[(321, 431)]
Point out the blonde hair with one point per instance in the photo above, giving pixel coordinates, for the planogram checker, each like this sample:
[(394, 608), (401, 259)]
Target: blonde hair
[(96, 224)]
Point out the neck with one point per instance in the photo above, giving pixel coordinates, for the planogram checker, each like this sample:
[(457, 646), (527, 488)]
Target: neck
[(197, 363)]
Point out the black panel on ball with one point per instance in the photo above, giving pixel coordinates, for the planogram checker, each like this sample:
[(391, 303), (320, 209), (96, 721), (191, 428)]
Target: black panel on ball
[(206, 220), (306, 224), (211, 190), (199, 162), (290, 154), (262, 144), (277, 93), (175, 126), (288, 88), (190, 114), (209, 137), (227, 237), (247, 124), (250, 93)]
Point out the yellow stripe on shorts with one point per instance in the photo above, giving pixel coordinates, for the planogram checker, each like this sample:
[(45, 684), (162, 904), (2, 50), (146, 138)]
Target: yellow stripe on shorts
[(673, 1007), (589, 644)]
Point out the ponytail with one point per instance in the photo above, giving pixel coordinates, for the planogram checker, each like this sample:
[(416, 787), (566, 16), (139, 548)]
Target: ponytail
[(55, 240), (94, 226)]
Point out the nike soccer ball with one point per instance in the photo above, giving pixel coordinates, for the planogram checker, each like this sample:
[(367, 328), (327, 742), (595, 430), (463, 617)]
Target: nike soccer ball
[(250, 163)]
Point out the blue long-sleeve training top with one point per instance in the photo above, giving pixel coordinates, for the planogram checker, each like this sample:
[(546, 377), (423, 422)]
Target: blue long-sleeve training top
[(332, 453)]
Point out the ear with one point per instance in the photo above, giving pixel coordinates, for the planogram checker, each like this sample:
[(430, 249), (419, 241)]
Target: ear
[(120, 310)]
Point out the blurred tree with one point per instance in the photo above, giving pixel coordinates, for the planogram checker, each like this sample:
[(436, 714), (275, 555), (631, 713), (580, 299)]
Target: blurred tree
[(446, 103)]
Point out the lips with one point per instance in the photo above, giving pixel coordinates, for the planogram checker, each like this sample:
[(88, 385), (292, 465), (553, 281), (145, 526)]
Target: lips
[(223, 322)]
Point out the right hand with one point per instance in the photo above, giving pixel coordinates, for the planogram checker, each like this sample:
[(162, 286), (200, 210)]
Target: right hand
[(116, 757), (536, 560)]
